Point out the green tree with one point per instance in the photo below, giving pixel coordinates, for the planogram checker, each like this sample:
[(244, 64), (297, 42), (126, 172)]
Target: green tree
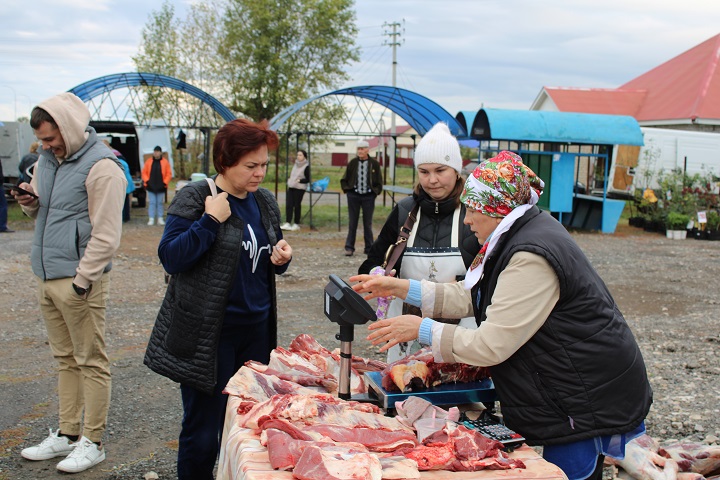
[(158, 54), (282, 51), (200, 62)]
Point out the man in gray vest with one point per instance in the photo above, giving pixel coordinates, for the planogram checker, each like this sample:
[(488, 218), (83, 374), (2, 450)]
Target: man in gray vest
[(80, 188)]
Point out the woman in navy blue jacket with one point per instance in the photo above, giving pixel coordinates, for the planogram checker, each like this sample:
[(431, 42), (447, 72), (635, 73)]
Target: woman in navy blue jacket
[(222, 250)]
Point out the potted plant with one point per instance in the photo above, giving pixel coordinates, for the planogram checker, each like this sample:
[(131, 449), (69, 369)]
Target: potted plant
[(713, 225), (676, 223)]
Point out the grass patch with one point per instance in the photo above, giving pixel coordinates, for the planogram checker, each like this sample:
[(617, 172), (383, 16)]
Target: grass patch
[(39, 410), (9, 440), (325, 217), (17, 219), (403, 176)]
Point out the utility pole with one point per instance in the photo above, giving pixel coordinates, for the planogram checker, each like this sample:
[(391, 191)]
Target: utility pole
[(394, 41)]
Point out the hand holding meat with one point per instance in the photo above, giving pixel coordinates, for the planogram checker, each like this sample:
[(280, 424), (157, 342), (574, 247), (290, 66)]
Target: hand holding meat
[(380, 286), (281, 253), (392, 331), (218, 207)]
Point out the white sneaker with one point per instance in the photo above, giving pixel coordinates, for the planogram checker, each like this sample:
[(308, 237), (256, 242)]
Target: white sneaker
[(295, 227), (151, 222), (54, 445), (85, 455), (161, 221), (286, 226)]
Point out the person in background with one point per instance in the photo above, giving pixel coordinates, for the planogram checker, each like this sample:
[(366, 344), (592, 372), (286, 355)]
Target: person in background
[(220, 310), (3, 207), (156, 176), (566, 367), (130, 185), (78, 225), (27, 163), (297, 184), (440, 247), (362, 183)]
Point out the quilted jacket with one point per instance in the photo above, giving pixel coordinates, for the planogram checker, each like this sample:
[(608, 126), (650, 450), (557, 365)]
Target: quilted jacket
[(183, 343)]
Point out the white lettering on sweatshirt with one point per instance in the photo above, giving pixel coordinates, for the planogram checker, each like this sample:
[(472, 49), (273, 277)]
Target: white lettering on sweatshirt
[(254, 251)]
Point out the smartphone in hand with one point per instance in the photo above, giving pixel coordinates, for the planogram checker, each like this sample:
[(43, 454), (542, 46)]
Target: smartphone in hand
[(14, 188)]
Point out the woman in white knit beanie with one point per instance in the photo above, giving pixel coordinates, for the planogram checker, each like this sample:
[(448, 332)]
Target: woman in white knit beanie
[(440, 247)]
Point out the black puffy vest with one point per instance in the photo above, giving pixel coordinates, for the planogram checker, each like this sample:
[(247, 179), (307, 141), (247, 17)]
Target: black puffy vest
[(582, 374), (184, 340)]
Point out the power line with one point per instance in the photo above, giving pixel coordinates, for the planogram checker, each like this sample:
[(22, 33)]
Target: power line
[(394, 42)]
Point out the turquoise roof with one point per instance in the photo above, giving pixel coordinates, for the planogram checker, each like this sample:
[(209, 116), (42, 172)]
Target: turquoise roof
[(560, 127), (465, 118)]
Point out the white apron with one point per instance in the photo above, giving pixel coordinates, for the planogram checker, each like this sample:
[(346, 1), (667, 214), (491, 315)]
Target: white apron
[(436, 264)]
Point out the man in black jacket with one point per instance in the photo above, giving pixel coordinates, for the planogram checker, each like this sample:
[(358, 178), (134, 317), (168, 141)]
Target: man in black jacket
[(362, 182)]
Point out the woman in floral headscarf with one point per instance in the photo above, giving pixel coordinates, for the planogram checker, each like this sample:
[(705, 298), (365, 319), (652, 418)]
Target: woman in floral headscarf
[(567, 370)]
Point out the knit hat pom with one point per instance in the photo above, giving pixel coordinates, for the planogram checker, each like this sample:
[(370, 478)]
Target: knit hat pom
[(439, 146)]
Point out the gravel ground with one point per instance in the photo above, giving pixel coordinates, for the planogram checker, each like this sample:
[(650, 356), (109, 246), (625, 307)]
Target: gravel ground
[(667, 289)]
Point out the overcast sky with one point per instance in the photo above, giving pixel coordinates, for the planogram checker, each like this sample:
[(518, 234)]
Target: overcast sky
[(463, 54)]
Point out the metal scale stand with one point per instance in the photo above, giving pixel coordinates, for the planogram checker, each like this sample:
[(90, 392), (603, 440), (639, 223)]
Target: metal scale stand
[(346, 308)]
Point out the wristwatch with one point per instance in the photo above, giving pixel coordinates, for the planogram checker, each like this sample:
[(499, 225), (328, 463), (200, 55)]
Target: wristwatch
[(82, 292)]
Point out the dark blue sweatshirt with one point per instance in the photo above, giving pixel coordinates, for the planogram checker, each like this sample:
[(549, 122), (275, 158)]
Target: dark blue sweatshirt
[(185, 241)]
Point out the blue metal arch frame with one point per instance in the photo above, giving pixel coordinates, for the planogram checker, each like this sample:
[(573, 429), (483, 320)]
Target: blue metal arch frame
[(418, 111), (93, 88)]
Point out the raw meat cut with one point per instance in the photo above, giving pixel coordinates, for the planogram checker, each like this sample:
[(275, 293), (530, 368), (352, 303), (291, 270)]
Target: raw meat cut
[(414, 408), (327, 382), (284, 451), (305, 344), (646, 460), (399, 468), (321, 364), (253, 387), (376, 440), (293, 364), (317, 463), (460, 449), (419, 371), (413, 375), (644, 464), (319, 409), (436, 457), (693, 457)]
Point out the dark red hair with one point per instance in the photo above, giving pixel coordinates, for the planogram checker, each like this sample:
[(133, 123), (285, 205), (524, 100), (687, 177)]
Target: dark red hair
[(239, 137)]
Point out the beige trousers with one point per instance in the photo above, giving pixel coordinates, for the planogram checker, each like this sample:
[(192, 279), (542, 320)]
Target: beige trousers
[(76, 333)]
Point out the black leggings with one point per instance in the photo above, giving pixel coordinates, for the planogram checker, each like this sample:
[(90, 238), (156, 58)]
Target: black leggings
[(597, 474), (293, 204)]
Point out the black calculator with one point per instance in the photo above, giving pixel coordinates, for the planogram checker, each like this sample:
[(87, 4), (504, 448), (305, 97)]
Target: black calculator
[(495, 431)]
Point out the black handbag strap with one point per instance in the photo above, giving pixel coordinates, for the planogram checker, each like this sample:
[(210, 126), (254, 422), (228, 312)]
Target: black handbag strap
[(397, 248)]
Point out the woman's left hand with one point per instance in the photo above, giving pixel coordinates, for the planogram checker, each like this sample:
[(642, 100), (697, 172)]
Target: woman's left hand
[(281, 253), (392, 331)]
